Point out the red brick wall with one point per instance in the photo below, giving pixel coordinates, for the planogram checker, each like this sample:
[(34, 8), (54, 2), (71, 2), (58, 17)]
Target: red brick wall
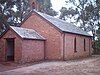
[(32, 50), (17, 50), (69, 46), (2, 50), (53, 44), (25, 50)]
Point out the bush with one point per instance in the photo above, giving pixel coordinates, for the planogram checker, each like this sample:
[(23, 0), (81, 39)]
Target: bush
[(96, 46)]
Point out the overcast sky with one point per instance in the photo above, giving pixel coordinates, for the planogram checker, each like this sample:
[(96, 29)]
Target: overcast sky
[(57, 4)]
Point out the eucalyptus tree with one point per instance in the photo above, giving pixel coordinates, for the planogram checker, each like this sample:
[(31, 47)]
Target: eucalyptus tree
[(5, 12), (12, 12), (67, 13), (46, 7), (85, 12)]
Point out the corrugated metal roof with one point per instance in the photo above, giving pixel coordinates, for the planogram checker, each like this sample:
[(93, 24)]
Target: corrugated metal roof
[(63, 25), (27, 33)]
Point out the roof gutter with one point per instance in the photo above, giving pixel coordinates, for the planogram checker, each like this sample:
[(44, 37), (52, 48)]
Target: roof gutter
[(77, 34)]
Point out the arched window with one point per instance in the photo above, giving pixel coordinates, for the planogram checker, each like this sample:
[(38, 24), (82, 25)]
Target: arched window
[(84, 45), (33, 5), (75, 45)]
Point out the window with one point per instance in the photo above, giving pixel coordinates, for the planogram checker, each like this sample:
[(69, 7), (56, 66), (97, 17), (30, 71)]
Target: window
[(89, 44), (84, 45), (89, 47), (33, 5), (75, 44)]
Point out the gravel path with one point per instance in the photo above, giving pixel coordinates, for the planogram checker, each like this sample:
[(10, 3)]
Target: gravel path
[(87, 66)]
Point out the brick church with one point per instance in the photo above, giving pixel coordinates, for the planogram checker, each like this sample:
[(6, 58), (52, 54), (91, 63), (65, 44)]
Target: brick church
[(43, 37)]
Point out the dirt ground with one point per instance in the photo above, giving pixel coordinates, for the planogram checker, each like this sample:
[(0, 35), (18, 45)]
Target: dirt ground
[(86, 66)]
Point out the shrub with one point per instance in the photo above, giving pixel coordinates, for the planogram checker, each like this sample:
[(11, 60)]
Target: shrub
[(96, 46)]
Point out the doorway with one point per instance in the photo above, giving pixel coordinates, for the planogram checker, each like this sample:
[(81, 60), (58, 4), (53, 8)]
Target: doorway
[(10, 49)]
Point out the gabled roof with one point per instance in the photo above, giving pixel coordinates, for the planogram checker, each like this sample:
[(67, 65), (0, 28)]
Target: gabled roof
[(27, 33), (63, 25)]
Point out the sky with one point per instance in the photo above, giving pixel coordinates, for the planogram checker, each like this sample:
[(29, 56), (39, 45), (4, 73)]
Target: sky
[(57, 4)]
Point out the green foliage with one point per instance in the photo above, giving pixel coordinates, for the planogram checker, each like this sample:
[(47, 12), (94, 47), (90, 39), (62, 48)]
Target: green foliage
[(2, 1), (87, 11), (97, 46), (69, 13), (51, 12), (8, 15), (46, 7)]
